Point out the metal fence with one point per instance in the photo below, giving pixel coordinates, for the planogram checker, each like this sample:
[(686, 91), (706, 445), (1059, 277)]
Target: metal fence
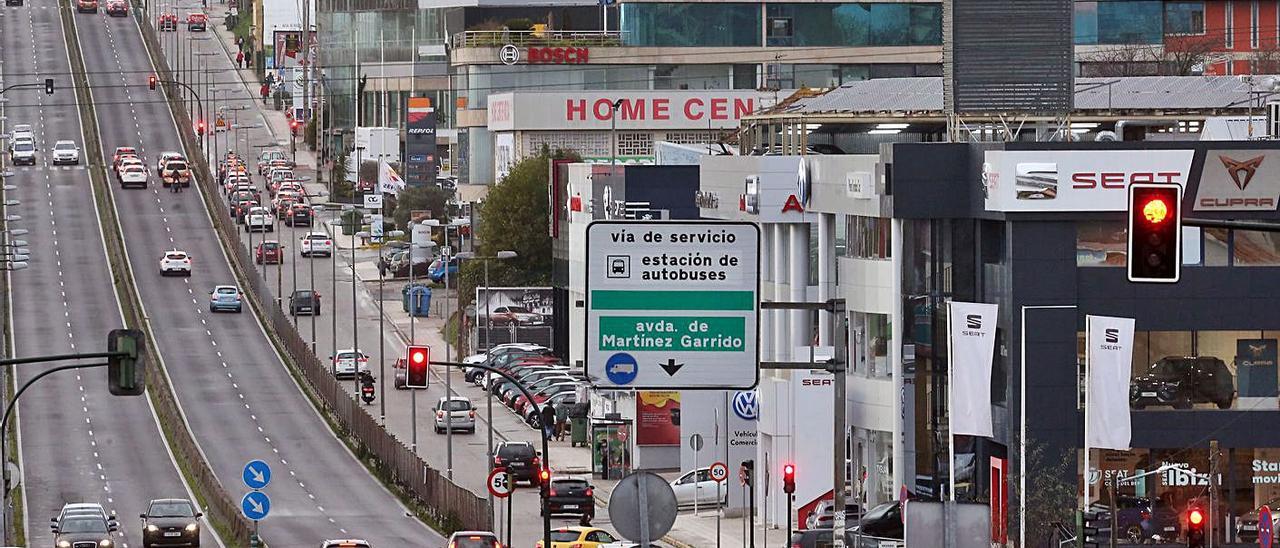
[(561, 38), (450, 505)]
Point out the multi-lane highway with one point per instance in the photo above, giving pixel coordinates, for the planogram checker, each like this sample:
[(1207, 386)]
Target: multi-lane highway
[(78, 443), (239, 398)]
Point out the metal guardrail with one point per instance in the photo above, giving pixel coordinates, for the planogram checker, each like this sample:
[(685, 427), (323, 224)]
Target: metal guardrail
[(499, 38)]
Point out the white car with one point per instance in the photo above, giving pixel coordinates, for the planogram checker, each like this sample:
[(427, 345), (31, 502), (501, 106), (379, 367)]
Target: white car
[(23, 151), (23, 130), (455, 413), (66, 152), (259, 218), (133, 175), (175, 262), (697, 485), (165, 157), (316, 243), (347, 361)]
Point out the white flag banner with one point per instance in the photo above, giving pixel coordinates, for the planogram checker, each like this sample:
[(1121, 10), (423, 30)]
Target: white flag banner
[(1109, 348), (388, 181), (972, 333)]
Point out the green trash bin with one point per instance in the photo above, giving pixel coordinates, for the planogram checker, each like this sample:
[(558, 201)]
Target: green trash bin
[(578, 432), (351, 222)]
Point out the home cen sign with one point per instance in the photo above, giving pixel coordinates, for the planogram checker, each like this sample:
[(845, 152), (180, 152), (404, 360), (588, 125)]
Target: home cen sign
[(642, 110)]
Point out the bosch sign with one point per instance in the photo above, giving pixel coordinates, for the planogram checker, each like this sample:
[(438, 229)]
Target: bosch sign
[(558, 56)]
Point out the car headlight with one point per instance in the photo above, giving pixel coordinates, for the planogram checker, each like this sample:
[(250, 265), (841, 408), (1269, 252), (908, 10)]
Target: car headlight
[(152, 528), (105, 543), (191, 527), (64, 544)]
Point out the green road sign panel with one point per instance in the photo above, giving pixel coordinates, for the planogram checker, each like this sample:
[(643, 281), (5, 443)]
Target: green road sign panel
[(673, 305)]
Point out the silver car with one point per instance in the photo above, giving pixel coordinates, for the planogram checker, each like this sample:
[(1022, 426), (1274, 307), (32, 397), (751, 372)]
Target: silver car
[(225, 297), (455, 413)]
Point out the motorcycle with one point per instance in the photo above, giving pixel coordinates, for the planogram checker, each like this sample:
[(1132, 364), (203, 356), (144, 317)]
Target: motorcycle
[(367, 390)]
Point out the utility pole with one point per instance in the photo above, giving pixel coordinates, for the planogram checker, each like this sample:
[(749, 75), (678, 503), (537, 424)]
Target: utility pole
[(1213, 492), (306, 64)]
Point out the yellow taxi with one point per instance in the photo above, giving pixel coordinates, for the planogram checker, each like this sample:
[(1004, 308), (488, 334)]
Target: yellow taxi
[(579, 537)]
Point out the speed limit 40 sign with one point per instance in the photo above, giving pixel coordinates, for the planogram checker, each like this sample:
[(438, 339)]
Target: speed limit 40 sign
[(500, 483)]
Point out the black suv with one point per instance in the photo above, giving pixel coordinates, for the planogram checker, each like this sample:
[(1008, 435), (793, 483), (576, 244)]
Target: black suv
[(571, 496), (304, 302), (1182, 382), (520, 459)]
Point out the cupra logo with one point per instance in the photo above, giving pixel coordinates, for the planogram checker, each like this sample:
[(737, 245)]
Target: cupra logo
[(1237, 168)]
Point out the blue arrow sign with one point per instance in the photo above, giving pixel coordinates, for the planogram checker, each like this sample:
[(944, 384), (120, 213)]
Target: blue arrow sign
[(255, 505), (256, 474)]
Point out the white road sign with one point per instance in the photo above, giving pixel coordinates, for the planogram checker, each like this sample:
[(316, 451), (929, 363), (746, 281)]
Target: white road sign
[(673, 304)]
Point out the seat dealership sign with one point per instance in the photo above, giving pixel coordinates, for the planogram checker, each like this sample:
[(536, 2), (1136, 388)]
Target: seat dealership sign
[(1076, 180), (631, 110)]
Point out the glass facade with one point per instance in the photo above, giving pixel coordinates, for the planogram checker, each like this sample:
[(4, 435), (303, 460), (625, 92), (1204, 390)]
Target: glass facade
[(1132, 22), (1103, 244), (860, 24), (690, 24), (350, 38), (1184, 18)]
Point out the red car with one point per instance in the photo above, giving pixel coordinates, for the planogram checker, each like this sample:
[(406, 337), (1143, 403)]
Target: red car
[(268, 252), (168, 21), (87, 6), (197, 21), (117, 8)]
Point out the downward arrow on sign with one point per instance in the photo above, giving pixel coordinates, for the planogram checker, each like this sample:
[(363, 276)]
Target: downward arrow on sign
[(257, 475), (671, 366), (257, 506)]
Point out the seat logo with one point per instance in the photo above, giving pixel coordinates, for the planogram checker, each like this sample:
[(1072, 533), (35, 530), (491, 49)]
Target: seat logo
[(1241, 171)]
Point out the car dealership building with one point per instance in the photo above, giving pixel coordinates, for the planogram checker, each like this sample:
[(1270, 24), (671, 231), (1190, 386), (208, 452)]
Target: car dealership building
[(978, 225)]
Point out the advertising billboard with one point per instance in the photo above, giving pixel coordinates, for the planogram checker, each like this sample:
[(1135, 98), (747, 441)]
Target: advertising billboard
[(420, 142), (1076, 180), (658, 418), (628, 110), (513, 314)]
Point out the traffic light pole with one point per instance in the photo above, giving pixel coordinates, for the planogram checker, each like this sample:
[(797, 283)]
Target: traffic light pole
[(546, 454)]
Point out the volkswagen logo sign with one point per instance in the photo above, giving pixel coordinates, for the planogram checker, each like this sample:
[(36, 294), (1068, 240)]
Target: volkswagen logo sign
[(510, 55), (746, 405)]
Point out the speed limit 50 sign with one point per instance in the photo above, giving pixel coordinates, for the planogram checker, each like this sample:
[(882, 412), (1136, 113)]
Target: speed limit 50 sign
[(500, 483)]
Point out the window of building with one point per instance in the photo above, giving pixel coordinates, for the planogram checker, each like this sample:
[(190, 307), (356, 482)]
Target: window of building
[(690, 24), (1184, 18), (1105, 244), (692, 76), (1254, 16), (1229, 26), (779, 31), (868, 237), (855, 24), (1117, 23)]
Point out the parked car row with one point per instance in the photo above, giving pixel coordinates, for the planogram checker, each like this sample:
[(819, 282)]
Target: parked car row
[(547, 379)]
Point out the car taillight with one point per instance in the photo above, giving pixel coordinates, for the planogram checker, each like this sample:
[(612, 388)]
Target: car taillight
[(328, 242), (439, 414), (536, 462), (472, 413), (589, 493), (552, 492)]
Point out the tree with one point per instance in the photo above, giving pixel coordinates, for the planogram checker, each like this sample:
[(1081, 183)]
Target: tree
[(419, 198), (1185, 55), (1120, 60), (1051, 497), (514, 217)]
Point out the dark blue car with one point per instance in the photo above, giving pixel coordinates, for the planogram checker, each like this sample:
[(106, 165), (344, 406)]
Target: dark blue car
[(437, 270)]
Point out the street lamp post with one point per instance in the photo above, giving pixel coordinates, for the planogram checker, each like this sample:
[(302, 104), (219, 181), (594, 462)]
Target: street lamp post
[(501, 255), (316, 210), (382, 334)]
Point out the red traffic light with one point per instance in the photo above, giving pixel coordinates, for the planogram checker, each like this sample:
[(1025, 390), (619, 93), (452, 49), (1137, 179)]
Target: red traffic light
[(200, 127), (1154, 251), (789, 471), (1155, 210), (1196, 517), (151, 81), (418, 358), (789, 478)]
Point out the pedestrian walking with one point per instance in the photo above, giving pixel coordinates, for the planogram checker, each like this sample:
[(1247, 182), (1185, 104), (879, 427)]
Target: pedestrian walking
[(239, 59), (265, 91), (562, 421)]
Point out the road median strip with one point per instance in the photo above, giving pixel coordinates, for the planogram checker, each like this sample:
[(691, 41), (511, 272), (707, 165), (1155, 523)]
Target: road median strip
[(220, 510)]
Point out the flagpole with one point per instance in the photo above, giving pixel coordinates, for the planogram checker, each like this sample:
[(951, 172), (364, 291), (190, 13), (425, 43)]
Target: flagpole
[(1088, 323), (951, 439)]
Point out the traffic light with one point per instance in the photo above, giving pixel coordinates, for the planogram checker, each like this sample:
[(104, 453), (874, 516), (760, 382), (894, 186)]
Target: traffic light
[(1155, 232), (200, 127), (151, 82), (293, 127), (788, 478), (1096, 528), (124, 372), (544, 483), (1196, 519), (418, 359), (48, 86)]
